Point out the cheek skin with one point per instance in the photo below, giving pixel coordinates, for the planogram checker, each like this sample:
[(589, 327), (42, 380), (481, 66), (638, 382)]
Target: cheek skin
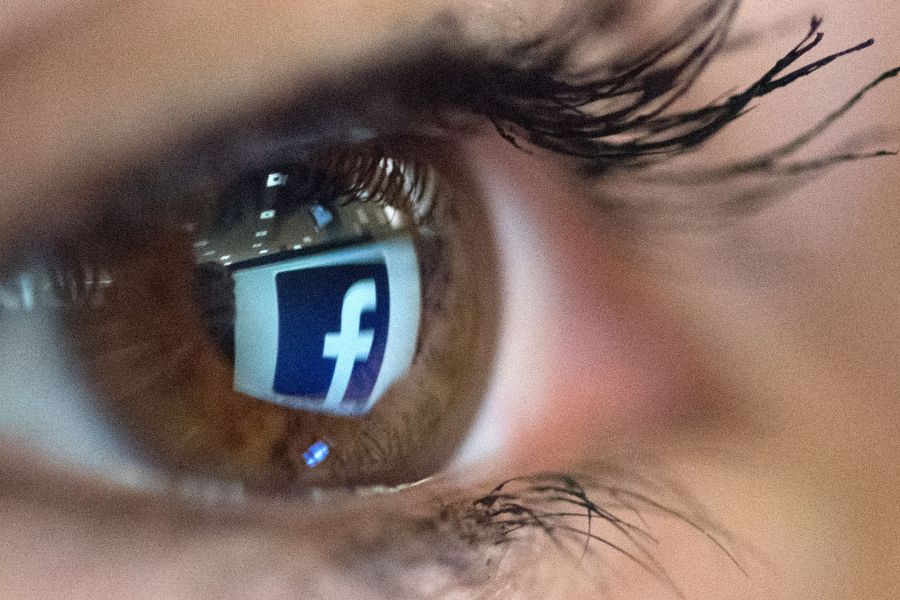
[(587, 358)]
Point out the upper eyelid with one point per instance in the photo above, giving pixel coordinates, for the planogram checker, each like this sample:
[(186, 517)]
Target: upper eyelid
[(400, 94), (337, 108), (136, 80), (341, 113), (288, 133), (103, 94)]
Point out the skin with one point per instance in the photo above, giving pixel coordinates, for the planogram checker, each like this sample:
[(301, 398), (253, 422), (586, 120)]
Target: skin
[(758, 361)]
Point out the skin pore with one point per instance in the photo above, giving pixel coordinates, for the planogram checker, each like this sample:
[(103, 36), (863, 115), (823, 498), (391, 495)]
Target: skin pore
[(753, 365)]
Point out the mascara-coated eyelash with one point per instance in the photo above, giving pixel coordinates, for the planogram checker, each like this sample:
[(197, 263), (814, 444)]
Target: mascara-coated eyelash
[(615, 117), (618, 125), (619, 119)]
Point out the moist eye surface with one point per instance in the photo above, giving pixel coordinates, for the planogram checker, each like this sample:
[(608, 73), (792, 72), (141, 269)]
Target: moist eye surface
[(324, 321)]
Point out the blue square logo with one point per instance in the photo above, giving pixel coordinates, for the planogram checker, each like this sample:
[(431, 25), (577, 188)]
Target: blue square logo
[(328, 332), (332, 332)]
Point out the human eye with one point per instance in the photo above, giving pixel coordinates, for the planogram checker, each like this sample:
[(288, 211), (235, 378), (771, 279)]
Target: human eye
[(304, 317), (169, 292)]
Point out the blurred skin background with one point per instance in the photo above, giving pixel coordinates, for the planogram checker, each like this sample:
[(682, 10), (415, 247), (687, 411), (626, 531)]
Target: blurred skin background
[(783, 424)]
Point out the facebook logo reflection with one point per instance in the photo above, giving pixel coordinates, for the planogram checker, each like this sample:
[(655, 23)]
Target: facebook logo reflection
[(332, 332), (327, 332)]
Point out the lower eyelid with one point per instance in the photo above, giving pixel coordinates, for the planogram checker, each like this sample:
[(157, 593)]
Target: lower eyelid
[(374, 547), (428, 541)]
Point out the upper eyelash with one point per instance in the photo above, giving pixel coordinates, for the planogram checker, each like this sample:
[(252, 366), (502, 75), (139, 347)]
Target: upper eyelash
[(555, 113), (609, 118), (617, 123), (620, 119)]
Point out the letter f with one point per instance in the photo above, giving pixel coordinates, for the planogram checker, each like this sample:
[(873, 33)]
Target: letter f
[(350, 344)]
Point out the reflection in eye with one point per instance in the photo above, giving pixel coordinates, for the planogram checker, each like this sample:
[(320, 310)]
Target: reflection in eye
[(324, 321), (311, 287)]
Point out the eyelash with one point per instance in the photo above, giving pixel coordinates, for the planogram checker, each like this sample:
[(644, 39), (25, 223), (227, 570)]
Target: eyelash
[(613, 121), (609, 140), (581, 514), (550, 112), (544, 109)]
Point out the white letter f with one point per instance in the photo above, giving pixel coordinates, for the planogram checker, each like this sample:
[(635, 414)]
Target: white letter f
[(351, 344)]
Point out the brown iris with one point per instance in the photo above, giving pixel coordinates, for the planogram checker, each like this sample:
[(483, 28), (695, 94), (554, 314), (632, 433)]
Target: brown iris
[(150, 312)]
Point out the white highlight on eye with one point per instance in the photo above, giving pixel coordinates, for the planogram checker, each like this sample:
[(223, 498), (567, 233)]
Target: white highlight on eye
[(18, 295), (26, 285), (517, 385), (373, 490)]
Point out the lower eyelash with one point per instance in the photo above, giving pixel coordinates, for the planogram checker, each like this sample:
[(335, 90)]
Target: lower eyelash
[(584, 515)]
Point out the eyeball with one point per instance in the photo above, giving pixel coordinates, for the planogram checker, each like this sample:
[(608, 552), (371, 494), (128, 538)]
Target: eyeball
[(326, 319)]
